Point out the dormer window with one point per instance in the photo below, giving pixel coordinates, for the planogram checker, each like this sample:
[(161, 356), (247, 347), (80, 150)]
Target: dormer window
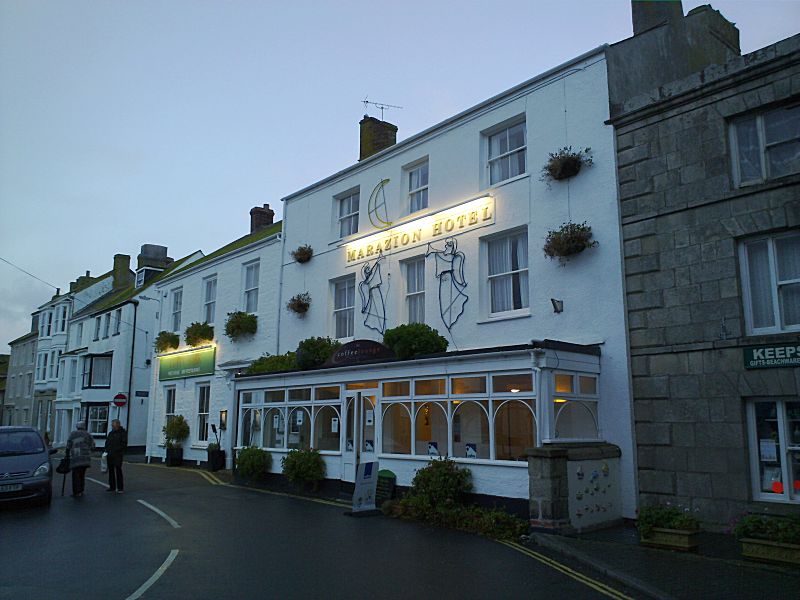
[(145, 274)]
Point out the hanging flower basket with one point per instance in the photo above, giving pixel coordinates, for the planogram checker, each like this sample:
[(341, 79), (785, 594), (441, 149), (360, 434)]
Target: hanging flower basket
[(566, 163), (299, 303), (240, 324), (303, 253), (568, 240), (198, 333), (166, 340)]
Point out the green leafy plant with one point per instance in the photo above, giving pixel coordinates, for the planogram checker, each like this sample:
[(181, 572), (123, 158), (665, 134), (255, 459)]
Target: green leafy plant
[(167, 340), (273, 364), (667, 517), (303, 253), (565, 163), (198, 333), (414, 339), (253, 463), (240, 324), (442, 482), (175, 431), (776, 529), (314, 351), (212, 447), (568, 240), (299, 303), (304, 467)]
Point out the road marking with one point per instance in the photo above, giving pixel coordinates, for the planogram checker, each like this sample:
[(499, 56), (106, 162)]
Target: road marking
[(161, 513), (105, 485), (287, 495), (213, 480), (584, 579), (154, 577)]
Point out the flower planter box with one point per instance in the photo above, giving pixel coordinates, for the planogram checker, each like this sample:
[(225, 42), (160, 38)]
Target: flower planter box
[(769, 551), (174, 457), (672, 539), (216, 460)]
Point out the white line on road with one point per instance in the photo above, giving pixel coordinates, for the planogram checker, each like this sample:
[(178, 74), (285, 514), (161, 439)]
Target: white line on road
[(169, 519), (105, 485), (159, 572)]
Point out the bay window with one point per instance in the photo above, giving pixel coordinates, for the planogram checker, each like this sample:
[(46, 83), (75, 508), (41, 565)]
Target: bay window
[(774, 439)]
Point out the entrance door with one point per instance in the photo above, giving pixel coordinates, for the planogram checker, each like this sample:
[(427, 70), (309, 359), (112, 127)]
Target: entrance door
[(360, 443)]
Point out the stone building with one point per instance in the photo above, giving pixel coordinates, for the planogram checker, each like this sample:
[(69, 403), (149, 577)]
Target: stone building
[(16, 409), (709, 183)]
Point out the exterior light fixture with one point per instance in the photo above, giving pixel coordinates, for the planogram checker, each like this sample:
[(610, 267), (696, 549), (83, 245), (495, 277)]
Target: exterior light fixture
[(223, 420), (558, 305)]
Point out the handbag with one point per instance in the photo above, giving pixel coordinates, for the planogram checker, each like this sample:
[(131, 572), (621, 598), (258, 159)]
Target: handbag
[(63, 466), (104, 462)]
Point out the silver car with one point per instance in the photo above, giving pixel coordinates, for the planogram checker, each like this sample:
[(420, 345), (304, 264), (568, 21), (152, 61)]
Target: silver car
[(26, 471)]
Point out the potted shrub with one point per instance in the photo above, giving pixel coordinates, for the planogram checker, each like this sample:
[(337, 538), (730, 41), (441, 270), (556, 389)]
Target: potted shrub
[(303, 254), (770, 539), (199, 333), (668, 527), (299, 303), (273, 364), (175, 432), (304, 467), (167, 340), (216, 457), (314, 351), (414, 339), (568, 240), (253, 464), (240, 324), (565, 163)]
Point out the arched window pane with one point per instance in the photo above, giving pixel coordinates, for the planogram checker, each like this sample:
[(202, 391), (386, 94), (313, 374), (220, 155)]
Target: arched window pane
[(397, 429), (431, 430), (368, 420), (274, 428), (575, 419), (470, 431), (299, 430), (350, 430), (513, 431), (251, 427), (326, 428)]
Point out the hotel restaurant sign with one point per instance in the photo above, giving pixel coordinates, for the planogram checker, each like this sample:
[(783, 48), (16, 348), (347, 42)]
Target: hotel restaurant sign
[(772, 356), (439, 225), (193, 363)]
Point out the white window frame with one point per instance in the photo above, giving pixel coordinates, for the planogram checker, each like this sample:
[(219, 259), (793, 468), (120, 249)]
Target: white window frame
[(763, 147), (209, 300), (349, 280), (177, 307), (786, 447), (117, 320), (347, 223), (79, 335), (415, 193), (170, 400), (202, 417), (500, 129), (251, 292), (72, 385), (487, 299), (775, 285), (89, 372), (106, 324), (94, 419), (410, 293), (97, 323)]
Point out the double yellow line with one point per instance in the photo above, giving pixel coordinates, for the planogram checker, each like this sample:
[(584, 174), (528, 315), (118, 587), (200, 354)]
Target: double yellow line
[(588, 581), (210, 477)]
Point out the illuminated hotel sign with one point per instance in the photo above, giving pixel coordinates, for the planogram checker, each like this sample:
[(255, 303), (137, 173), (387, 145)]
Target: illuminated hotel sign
[(451, 221), (192, 363)]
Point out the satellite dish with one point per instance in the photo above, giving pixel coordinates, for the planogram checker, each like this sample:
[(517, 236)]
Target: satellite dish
[(376, 208)]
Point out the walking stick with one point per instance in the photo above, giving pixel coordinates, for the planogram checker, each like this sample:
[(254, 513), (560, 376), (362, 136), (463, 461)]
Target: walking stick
[(63, 482)]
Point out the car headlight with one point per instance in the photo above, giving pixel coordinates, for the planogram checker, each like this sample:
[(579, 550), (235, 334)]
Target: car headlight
[(42, 469)]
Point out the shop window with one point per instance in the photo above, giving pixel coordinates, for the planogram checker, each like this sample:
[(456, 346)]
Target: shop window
[(299, 394), (564, 383), (332, 392), (512, 384), (513, 430), (471, 430), (274, 396), (431, 430), (397, 429), (393, 389), (587, 384), (575, 419), (774, 432), (368, 424), (362, 385), (326, 428), (251, 427), (98, 420), (299, 429), (275, 427), (429, 387), (468, 385), (247, 397)]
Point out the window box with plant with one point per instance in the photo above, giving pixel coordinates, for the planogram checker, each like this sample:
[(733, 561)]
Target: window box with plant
[(568, 240), (197, 334), (668, 527), (299, 303), (565, 163), (166, 341), (303, 254), (175, 433), (240, 324), (770, 539)]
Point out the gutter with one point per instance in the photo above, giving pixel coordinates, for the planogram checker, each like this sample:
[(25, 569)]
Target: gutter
[(130, 369)]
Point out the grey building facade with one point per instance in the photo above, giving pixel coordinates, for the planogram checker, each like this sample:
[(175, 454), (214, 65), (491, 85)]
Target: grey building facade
[(17, 407)]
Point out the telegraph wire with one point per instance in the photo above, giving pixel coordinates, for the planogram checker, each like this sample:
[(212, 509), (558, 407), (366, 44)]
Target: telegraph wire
[(8, 262)]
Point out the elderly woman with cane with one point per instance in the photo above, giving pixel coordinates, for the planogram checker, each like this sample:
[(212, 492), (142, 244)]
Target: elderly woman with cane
[(79, 451)]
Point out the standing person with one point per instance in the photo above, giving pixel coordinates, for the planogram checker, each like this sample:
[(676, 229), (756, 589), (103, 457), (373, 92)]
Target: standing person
[(116, 442), (79, 450)]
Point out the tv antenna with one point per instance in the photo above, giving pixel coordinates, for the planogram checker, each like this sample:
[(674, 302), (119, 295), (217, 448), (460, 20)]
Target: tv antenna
[(380, 105)]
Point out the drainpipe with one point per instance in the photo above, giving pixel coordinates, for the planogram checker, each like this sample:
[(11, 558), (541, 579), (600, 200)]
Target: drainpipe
[(280, 285), (537, 356), (130, 371)]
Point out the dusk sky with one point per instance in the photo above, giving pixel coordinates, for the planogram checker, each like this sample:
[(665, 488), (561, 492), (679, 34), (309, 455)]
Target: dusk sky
[(125, 123)]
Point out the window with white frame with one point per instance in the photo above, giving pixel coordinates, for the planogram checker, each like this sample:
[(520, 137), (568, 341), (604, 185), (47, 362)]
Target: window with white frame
[(97, 371), (117, 320), (418, 187), (348, 213), (415, 290), (98, 419), (52, 365), (41, 366), (169, 404), (507, 150), (766, 145), (774, 439), (508, 272), (177, 304), (106, 324), (250, 287), (771, 283), (49, 330), (203, 401), (29, 384), (79, 336), (61, 324), (344, 301), (97, 322), (575, 406), (72, 386), (58, 364), (209, 299)]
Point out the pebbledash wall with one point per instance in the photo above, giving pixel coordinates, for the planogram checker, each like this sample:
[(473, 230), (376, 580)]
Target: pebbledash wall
[(377, 204), (709, 185)]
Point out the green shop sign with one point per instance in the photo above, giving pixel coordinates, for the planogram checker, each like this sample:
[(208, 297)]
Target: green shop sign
[(771, 356), (193, 363)]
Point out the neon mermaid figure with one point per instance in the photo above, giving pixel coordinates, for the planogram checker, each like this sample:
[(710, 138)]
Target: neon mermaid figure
[(372, 303), (450, 273)]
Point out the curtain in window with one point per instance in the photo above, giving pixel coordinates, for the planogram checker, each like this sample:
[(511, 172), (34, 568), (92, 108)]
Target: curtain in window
[(101, 371), (749, 150), (760, 284), (509, 255), (782, 133)]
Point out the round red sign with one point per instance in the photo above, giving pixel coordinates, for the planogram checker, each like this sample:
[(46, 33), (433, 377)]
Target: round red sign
[(120, 400)]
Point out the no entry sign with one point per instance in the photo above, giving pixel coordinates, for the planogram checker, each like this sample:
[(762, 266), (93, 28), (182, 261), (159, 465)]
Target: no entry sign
[(120, 400)]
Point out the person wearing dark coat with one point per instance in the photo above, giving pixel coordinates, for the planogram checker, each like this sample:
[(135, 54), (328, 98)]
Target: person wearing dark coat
[(79, 451), (116, 443)]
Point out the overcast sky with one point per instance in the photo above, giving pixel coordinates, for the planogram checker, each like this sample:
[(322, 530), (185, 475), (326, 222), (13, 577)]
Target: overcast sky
[(124, 123)]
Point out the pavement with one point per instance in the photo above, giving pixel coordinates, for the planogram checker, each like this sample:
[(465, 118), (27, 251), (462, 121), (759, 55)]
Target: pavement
[(715, 571)]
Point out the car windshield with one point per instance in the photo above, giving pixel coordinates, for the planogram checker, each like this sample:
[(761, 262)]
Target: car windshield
[(20, 442)]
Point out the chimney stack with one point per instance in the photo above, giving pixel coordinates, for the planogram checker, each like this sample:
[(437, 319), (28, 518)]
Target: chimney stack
[(121, 275), (376, 135), (261, 217), (153, 255), (651, 13)]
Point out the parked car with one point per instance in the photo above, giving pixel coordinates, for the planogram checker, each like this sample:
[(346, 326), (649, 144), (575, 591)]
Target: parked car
[(26, 471)]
